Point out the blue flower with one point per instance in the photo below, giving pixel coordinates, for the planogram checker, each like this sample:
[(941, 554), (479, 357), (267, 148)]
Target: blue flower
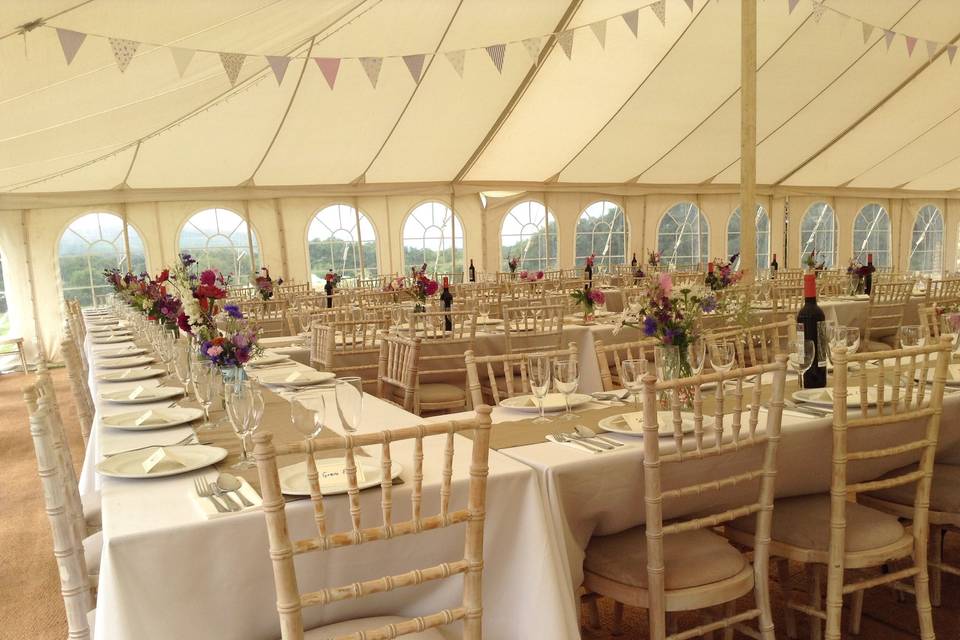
[(649, 326), (233, 311), (709, 304)]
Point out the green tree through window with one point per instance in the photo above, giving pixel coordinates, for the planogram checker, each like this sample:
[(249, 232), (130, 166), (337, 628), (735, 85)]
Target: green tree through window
[(90, 244), (763, 237), (217, 239), (683, 236), (871, 234), (335, 238), (432, 234), (529, 233), (818, 232), (926, 242), (602, 230)]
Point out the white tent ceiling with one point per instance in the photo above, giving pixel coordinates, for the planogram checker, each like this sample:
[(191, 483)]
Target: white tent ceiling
[(661, 108)]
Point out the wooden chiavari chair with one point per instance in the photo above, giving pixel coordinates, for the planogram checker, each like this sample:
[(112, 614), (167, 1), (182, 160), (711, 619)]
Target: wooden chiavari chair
[(885, 315), (617, 354), (78, 385), (505, 375), (349, 348), (269, 316), (942, 291), (786, 295), (683, 565), (757, 343), (533, 328), (397, 370), (291, 290), (441, 372), (826, 531), (290, 602)]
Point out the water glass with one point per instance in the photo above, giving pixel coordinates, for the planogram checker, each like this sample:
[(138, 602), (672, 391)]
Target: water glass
[(909, 335), (306, 421), (239, 397), (538, 373), (204, 379), (631, 375), (349, 394), (566, 379), (949, 327), (801, 358), (697, 353)]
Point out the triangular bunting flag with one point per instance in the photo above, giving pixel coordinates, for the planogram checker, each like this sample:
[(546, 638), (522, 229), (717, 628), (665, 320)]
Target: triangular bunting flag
[(231, 64), (889, 36), (533, 46), (867, 32), (791, 5), (123, 51), (631, 18), (415, 65), (372, 67), (659, 9), (911, 43), (931, 48), (599, 29), (70, 41), (951, 52), (496, 53), (279, 66), (689, 4), (329, 67), (456, 59), (182, 58), (565, 38)]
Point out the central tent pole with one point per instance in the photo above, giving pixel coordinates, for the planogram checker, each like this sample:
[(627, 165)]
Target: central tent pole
[(748, 137)]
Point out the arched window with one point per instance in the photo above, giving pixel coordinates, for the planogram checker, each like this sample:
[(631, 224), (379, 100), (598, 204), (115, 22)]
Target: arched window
[(529, 233), (341, 238), (763, 237), (217, 239), (683, 236), (871, 234), (4, 305), (90, 244), (926, 242), (602, 230), (432, 234), (818, 232)]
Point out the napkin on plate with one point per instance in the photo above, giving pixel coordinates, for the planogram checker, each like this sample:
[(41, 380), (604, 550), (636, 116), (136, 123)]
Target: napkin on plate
[(210, 512)]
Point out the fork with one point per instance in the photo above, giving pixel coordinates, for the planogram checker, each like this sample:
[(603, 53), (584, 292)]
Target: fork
[(204, 491), (223, 495)]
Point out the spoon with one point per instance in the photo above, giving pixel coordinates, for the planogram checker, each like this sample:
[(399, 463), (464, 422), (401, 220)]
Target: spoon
[(231, 483), (587, 432)]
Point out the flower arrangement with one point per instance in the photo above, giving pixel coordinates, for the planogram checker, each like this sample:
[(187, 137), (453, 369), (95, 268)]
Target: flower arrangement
[(333, 279), (423, 287), (265, 283), (531, 276), (723, 274), (513, 263), (588, 298), (234, 345), (653, 259), (198, 294), (860, 270), (811, 262)]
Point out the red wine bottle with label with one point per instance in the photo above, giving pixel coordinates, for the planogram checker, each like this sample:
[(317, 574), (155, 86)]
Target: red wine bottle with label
[(810, 316), (774, 266), (473, 271), (868, 279)]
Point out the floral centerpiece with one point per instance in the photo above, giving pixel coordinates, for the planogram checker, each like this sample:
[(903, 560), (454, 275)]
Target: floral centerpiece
[(531, 276), (265, 284), (811, 262), (858, 273), (723, 274), (330, 282), (423, 287), (513, 263), (588, 298), (653, 259), (233, 345), (198, 293)]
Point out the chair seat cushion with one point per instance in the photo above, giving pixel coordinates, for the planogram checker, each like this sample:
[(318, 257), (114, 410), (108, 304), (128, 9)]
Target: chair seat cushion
[(92, 548), (944, 489), (437, 392), (804, 522), (91, 509), (874, 345), (691, 558), (366, 624)]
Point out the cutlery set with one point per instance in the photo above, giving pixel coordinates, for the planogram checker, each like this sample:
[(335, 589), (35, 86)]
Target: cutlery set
[(218, 492), (587, 439)]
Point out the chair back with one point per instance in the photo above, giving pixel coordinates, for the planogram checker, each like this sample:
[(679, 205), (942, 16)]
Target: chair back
[(505, 375), (290, 602), (533, 328), (269, 316), (348, 348), (617, 354), (397, 368), (758, 343), (724, 496), (786, 295), (885, 311), (78, 385)]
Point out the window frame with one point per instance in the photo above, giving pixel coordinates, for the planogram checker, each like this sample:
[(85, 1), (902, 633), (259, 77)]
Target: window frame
[(939, 269), (860, 255), (362, 270), (802, 252), (453, 238), (703, 236), (592, 233), (253, 245), (763, 261), (551, 261)]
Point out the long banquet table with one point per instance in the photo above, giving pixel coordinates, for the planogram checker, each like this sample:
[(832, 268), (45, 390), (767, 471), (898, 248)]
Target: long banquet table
[(168, 572)]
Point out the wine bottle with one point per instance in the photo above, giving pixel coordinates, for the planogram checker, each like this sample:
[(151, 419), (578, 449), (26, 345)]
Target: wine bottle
[(328, 289), (711, 279), (447, 299), (811, 316), (633, 263), (589, 270), (774, 266), (473, 272), (868, 279)]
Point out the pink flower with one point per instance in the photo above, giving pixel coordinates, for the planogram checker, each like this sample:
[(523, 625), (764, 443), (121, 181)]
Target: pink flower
[(431, 287), (666, 284), (597, 296), (214, 351), (208, 277), (539, 275), (523, 275)]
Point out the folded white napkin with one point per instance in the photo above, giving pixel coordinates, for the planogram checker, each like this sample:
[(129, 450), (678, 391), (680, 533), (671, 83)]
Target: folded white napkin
[(210, 512)]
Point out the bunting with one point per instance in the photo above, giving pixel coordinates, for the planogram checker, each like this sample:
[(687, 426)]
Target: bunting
[(456, 60), (329, 68), (689, 4), (533, 47), (931, 48), (791, 5), (415, 65), (279, 66), (659, 9), (232, 62), (497, 53), (123, 51), (70, 42), (632, 19), (599, 29), (888, 36), (911, 43), (566, 42), (182, 58), (372, 67), (867, 32)]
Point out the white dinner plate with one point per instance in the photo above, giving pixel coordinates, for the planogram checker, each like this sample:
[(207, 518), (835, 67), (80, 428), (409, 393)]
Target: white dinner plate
[(619, 424), (824, 397), (294, 482), (182, 459), (157, 418), (124, 363), (267, 359), (105, 322), (112, 339), (122, 352), (299, 378), (129, 375), (152, 394), (551, 402), (953, 375)]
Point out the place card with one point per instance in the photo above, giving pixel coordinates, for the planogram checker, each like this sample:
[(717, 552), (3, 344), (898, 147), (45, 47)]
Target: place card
[(334, 473), (126, 373), (151, 417), (136, 393), (155, 458), (293, 377), (634, 420)]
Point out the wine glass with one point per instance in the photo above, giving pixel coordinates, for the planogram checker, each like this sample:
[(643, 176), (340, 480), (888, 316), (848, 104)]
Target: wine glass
[(566, 379), (307, 421), (909, 335), (396, 316), (631, 374), (203, 388), (697, 352), (723, 353), (239, 401), (538, 372), (483, 307), (851, 339), (181, 363), (801, 358), (349, 394), (949, 327)]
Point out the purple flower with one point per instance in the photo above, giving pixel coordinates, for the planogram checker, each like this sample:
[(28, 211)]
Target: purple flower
[(669, 335), (241, 340), (649, 326), (187, 259), (709, 304), (233, 311)]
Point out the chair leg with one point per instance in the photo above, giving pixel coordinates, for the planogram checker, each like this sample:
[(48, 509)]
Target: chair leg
[(856, 612), (729, 609), (617, 618), (761, 594), (783, 572), (936, 559), (921, 585), (816, 597)]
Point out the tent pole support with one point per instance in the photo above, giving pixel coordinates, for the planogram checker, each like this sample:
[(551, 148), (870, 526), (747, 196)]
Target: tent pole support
[(25, 216), (748, 137)]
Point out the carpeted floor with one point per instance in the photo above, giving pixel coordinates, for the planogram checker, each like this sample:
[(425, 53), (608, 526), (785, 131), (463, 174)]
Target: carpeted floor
[(31, 608)]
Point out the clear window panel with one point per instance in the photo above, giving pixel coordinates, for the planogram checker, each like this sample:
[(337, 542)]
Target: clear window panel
[(763, 237), (818, 232), (217, 239), (926, 242), (602, 231), (433, 235), (871, 234), (335, 239), (90, 244), (683, 236), (4, 305), (529, 233)]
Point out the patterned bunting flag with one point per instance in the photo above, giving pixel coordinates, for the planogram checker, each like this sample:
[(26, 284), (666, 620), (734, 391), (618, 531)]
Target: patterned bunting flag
[(123, 51), (497, 53), (456, 60), (279, 65), (631, 18), (232, 62), (329, 67), (818, 9), (931, 48), (415, 65), (659, 9), (888, 36), (565, 38), (181, 58), (533, 46), (911, 43), (372, 67), (791, 5), (599, 29), (690, 4), (867, 32), (70, 42), (951, 52)]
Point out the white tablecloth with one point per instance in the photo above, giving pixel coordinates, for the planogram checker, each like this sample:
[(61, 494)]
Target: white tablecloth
[(166, 572)]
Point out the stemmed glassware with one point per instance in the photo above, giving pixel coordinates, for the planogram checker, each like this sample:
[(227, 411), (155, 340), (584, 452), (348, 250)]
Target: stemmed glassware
[(244, 408), (204, 387), (349, 394), (801, 358), (483, 308), (566, 379), (948, 328), (538, 373), (697, 353), (182, 364), (909, 335), (632, 372), (308, 421), (723, 354)]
